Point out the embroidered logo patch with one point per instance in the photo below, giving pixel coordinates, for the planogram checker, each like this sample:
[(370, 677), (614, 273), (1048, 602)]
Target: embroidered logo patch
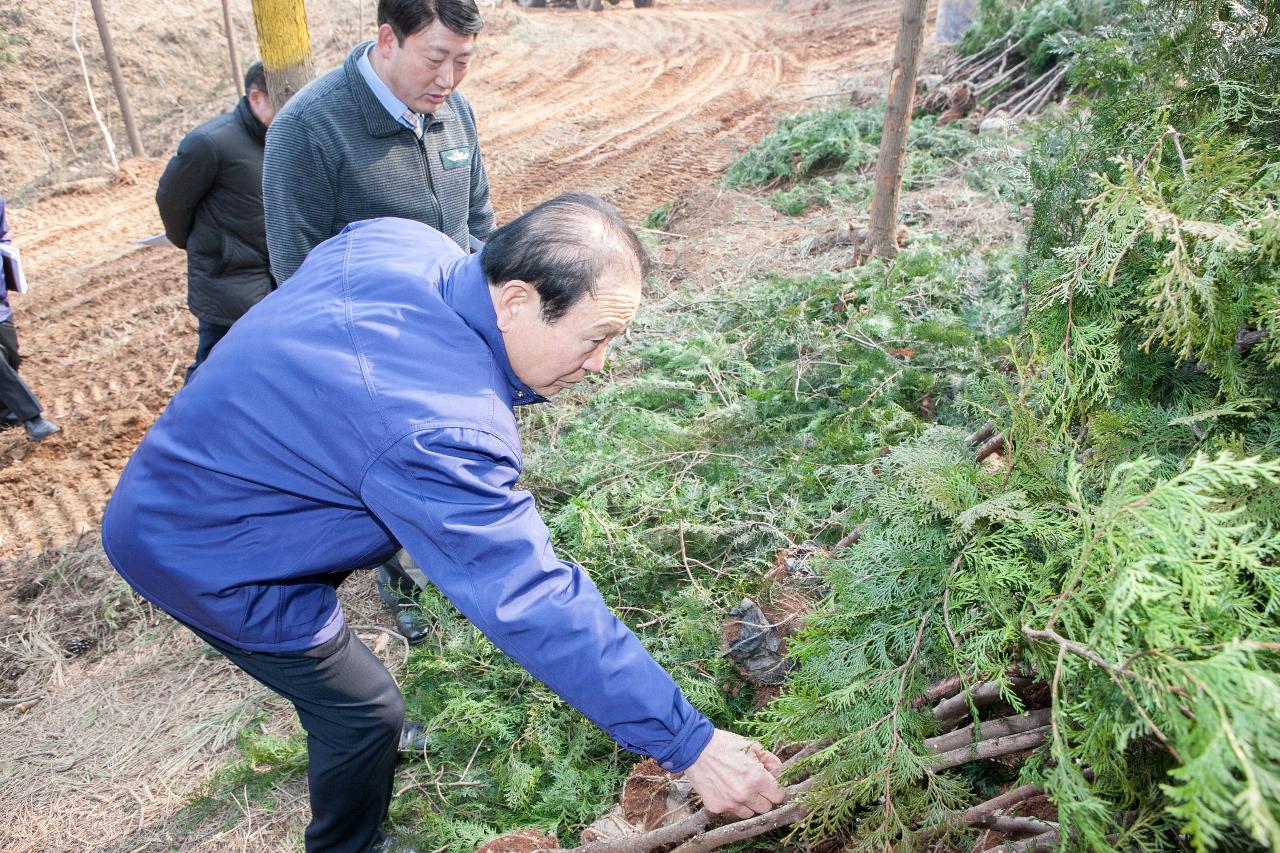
[(453, 158)]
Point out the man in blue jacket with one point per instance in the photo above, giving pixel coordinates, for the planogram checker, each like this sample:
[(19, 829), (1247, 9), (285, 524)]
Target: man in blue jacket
[(370, 404), (386, 134)]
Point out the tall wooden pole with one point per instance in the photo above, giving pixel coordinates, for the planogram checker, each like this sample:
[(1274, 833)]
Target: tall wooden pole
[(284, 43), (117, 79), (236, 74), (882, 236)]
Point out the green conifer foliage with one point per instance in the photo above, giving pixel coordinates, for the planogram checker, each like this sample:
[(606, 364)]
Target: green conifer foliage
[(1124, 550), (1154, 233)]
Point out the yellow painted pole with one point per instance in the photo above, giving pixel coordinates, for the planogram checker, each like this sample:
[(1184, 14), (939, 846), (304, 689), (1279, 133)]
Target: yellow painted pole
[(284, 43)]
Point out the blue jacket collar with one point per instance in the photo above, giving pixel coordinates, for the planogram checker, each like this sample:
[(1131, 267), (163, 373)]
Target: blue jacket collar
[(466, 291)]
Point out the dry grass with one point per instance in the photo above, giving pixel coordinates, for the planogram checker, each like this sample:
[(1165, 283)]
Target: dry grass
[(127, 732)]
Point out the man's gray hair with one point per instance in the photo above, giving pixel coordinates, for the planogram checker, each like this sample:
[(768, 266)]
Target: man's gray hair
[(563, 247)]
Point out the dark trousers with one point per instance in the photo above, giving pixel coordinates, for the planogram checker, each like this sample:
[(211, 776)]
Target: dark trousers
[(207, 336), (17, 403), (352, 713), (406, 577)]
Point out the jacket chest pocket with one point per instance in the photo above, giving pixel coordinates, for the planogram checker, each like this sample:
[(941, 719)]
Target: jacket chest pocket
[(450, 162)]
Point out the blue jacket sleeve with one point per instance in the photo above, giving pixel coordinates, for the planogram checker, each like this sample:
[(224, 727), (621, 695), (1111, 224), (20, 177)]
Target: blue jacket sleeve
[(447, 495)]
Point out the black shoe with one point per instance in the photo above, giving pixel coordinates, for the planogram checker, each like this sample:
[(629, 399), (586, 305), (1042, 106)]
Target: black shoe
[(412, 625), (410, 622), (413, 737), (39, 428), (391, 845)]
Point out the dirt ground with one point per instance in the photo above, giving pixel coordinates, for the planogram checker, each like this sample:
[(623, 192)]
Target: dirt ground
[(641, 106)]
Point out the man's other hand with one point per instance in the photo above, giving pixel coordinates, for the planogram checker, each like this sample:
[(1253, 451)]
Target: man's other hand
[(734, 776)]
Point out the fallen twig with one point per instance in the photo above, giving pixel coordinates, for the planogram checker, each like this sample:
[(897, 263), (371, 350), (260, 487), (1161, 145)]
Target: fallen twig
[(1012, 824), (944, 689), (994, 445), (978, 813), (1247, 339), (983, 433), (1043, 841), (785, 815), (849, 539), (1042, 94)]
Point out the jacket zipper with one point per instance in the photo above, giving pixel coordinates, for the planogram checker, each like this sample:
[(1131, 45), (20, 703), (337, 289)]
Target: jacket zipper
[(431, 187)]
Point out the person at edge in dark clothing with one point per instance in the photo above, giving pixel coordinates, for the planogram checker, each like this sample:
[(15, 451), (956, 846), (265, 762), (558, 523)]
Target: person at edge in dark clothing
[(18, 404), (393, 363), (210, 200)]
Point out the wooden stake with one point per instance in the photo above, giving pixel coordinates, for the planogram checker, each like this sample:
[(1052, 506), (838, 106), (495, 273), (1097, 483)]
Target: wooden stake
[(882, 237), (237, 75), (117, 79), (93, 103)]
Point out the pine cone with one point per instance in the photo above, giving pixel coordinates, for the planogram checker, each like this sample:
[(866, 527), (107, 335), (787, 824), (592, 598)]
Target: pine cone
[(78, 645)]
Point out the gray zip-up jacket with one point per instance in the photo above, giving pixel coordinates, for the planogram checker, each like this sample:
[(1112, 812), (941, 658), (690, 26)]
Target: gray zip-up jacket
[(335, 155)]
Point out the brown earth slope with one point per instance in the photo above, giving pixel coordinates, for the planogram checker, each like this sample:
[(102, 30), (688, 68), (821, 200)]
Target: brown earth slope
[(643, 107), (635, 105)]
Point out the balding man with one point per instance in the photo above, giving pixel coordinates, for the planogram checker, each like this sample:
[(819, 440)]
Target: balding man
[(379, 391)]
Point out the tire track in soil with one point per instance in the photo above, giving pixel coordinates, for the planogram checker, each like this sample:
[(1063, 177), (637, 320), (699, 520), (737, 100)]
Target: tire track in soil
[(638, 106)]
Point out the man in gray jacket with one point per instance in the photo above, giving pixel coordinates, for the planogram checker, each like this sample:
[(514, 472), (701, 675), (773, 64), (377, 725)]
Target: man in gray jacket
[(210, 200), (385, 134)]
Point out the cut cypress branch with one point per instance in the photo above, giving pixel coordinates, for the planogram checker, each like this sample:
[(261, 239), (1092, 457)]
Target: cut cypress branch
[(988, 730)]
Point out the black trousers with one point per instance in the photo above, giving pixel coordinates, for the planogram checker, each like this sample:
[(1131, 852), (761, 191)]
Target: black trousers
[(16, 398), (207, 337), (352, 713)]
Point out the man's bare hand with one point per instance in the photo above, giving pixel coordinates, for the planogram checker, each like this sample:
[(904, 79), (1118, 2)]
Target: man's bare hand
[(735, 776)]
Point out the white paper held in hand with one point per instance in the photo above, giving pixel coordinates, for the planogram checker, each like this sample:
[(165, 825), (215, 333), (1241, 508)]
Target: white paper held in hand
[(11, 258)]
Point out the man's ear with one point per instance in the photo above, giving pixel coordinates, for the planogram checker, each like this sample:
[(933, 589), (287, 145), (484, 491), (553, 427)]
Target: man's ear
[(386, 38), (513, 298)]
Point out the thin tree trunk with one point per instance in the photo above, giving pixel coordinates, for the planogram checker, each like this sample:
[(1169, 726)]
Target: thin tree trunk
[(882, 237), (236, 74), (284, 42), (93, 103), (117, 80)]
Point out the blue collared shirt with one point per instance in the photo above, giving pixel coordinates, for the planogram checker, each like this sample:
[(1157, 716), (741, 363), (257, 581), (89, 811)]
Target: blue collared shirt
[(370, 404), (397, 108)]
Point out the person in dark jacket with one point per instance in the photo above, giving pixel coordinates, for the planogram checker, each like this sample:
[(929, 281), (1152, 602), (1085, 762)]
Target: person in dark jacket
[(394, 363), (18, 405), (210, 200)]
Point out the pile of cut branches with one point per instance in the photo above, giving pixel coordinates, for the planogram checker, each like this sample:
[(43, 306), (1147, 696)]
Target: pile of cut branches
[(1017, 57), (1095, 573)]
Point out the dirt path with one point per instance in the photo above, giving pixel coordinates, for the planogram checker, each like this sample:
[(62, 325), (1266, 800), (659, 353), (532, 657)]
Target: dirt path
[(635, 106)]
